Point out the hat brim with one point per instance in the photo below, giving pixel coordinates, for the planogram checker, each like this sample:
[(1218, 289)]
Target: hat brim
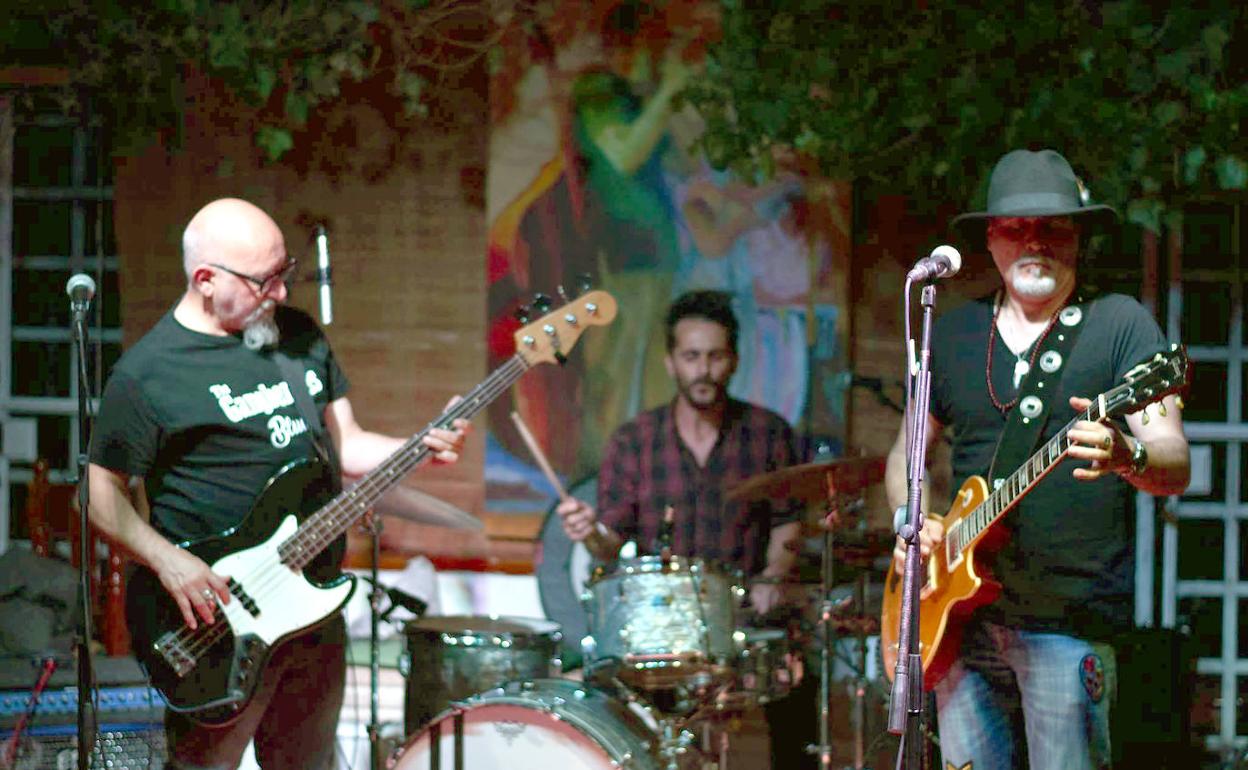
[(971, 226)]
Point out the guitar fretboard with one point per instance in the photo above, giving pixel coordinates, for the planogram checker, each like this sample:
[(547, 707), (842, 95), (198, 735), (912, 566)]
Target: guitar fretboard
[(324, 526), (1004, 497)]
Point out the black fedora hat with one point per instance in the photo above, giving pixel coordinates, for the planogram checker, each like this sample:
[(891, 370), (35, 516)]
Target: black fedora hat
[(1032, 184)]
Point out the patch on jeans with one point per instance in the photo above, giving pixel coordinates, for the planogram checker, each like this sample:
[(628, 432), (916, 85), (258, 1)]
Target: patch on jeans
[(949, 766), (1093, 673)]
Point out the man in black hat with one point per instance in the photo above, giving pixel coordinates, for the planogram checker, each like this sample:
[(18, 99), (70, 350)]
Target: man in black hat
[(1035, 674)]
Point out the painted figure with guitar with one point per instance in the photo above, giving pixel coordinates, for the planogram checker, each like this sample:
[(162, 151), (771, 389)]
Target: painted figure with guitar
[(1059, 405), (201, 410)]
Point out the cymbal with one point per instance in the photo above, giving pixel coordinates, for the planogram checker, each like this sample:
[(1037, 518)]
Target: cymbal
[(811, 482), (409, 503)]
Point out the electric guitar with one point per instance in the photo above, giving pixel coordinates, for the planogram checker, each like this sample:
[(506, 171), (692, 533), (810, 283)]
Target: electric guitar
[(211, 673), (953, 587)]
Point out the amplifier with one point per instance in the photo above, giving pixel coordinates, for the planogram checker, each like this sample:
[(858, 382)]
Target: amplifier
[(130, 735), (118, 746), (60, 706)]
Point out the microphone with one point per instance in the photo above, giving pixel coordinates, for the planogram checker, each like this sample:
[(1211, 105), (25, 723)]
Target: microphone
[(400, 598), (81, 289), (323, 277), (943, 262)]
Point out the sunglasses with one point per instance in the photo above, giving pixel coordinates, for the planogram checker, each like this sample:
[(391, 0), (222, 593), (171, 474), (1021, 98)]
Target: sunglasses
[(1049, 229)]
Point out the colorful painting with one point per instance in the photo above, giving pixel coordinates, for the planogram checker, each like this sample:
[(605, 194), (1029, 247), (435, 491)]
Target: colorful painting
[(592, 183)]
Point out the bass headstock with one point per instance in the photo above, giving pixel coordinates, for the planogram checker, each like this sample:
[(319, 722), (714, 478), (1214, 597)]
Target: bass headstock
[(550, 338)]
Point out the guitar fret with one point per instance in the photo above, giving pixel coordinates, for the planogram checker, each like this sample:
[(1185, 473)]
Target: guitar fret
[(324, 526)]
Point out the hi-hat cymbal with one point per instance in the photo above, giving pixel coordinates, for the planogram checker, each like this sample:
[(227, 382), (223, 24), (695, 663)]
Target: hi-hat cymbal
[(411, 504), (813, 482)]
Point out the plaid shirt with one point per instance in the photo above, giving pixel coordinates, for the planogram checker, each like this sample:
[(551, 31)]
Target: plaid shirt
[(647, 467)]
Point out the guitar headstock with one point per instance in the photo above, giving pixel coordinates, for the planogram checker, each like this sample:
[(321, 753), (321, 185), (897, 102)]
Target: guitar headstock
[(1150, 381), (549, 338)]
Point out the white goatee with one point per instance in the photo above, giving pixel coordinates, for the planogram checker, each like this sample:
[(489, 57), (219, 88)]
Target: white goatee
[(260, 328)]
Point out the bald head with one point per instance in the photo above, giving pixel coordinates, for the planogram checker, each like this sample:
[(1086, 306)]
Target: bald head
[(231, 232)]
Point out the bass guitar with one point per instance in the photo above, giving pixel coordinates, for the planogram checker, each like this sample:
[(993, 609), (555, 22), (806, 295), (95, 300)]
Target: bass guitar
[(212, 673), (953, 586)]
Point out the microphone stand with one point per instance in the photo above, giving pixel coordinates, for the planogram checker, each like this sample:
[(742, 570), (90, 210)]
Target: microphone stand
[(86, 678), (905, 712), (374, 650)]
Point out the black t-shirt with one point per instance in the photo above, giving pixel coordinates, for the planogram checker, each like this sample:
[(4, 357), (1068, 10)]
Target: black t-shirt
[(1069, 560), (206, 422)]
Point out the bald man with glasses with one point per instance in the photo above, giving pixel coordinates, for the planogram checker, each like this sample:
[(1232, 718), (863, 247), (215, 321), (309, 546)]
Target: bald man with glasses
[(203, 409)]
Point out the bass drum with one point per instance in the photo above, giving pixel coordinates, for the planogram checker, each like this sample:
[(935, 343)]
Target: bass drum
[(563, 568), (538, 725)]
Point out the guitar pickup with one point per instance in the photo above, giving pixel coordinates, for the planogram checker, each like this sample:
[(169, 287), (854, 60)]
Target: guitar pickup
[(249, 604), (174, 653)]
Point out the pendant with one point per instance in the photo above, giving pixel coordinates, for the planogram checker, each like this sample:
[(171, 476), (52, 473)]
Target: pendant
[(1021, 367)]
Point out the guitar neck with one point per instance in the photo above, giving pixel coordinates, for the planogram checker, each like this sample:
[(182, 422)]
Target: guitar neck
[(1019, 483), (324, 526)]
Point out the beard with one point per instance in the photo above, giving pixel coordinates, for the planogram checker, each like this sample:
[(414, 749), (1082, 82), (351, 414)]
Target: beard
[(260, 328), (719, 393), (1034, 286)]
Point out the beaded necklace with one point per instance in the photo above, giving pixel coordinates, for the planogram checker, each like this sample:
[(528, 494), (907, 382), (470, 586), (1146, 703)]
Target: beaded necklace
[(1019, 370)]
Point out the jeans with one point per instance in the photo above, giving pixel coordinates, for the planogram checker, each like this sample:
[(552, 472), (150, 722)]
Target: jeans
[(1015, 695), (293, 715)]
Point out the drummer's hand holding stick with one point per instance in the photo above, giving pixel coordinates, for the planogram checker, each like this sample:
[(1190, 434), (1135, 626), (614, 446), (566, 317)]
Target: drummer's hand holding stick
[(580, 521)]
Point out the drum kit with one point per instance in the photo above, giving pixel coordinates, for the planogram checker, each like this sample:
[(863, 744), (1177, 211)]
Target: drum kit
[(663, 663)]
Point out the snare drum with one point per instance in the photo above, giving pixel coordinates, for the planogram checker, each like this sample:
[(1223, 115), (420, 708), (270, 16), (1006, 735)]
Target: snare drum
[(454, 656), (539, 725), (663, 622)]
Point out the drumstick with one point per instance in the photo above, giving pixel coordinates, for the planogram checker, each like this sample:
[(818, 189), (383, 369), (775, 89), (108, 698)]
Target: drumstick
[(600, 529), (539, 456)]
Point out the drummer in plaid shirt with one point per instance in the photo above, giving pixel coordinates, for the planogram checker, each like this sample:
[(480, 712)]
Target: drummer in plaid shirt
[(684, 456), (687, 454)]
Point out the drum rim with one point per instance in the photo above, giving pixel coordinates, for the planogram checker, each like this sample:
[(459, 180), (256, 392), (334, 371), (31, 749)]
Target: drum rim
[(554, 631), (649, 564), (500, 696)]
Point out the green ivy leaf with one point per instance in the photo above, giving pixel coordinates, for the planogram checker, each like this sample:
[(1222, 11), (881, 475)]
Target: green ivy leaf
[(365, 12), (1168, 112), (1193, 160), (275, 141), (1146, 213), (1231, 172), (266, 79), (1215, 39), (297, 107)]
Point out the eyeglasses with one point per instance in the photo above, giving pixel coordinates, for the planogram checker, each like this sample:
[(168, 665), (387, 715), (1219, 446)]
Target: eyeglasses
[(269, 282)]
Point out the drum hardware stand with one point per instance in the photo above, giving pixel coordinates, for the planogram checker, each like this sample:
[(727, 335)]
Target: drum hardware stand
[(826, 609), (674, 741), (860, 681)]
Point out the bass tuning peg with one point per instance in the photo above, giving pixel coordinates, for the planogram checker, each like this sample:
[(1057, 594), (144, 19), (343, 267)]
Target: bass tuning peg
[(521, 313), (542, 303)]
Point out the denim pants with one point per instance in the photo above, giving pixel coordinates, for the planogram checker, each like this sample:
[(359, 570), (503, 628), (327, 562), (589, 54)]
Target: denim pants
[(1026, 699), (293, 715)]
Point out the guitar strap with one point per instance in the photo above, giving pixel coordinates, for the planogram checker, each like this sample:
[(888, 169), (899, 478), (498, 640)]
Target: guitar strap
[(1027, 419), (321, 440)]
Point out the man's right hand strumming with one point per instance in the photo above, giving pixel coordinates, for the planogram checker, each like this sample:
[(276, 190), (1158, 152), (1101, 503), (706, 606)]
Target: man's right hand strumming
[(192, 584), (930, 536)]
